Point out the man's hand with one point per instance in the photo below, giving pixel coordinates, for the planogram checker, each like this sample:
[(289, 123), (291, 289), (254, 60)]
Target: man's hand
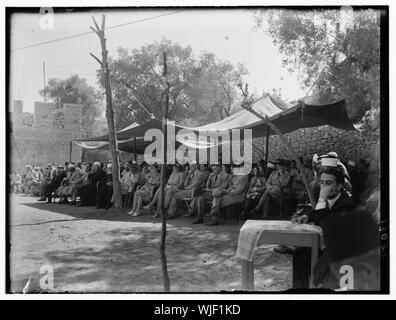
[(299, 219), (324, 192)]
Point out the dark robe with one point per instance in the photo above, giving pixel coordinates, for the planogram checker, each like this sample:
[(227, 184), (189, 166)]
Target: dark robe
[(302, 255)]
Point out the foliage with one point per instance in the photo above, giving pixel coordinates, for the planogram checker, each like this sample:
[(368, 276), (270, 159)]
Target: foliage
[(203, 89), (337, 52), (76, 90)]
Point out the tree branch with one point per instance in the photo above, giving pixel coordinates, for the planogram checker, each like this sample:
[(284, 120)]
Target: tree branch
[(97, 59)]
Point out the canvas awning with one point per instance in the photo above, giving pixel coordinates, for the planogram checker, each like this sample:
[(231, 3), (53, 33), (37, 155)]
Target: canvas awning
[(286, 117)]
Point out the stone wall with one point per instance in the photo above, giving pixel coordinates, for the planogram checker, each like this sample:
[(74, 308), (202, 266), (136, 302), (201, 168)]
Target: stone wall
[(350, 145), (46, 141)]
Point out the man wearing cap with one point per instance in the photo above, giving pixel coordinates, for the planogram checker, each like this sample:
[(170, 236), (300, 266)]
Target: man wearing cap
[(340, 165), (235, 193), (196, 185), (333, 201)]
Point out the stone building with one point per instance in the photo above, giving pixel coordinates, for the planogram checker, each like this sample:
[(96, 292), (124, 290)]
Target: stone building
[(44, 136)]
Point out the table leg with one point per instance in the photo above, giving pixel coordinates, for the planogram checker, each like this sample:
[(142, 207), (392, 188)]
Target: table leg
[(247, 275), (314, 258)]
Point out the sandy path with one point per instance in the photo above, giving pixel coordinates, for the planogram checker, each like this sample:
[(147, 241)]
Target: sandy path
[(94, 250)]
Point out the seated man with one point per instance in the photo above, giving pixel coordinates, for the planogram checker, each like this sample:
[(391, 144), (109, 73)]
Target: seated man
[(323, 160), (57, 178), (196, 185), (214, 183), (88, 194), (105, 191), (277, 183), (83, 182), (255, 190), (235, 193), (333, 201), (45, 180), (69, 183)]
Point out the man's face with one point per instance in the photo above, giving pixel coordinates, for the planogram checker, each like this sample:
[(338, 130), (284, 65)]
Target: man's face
[(216, 169), (328, 180), (193, 167)]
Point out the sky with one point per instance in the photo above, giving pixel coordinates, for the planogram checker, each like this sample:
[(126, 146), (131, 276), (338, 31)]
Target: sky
[(228, 33)]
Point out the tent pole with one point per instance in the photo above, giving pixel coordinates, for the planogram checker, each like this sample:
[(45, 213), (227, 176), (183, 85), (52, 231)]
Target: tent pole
[(134, 149), (266, 147), (70, 151), (291, 150)]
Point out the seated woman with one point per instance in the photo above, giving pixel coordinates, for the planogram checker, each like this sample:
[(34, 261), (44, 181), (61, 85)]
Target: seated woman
[(255, 190), (129, 182), (175, 181), (145, 192)]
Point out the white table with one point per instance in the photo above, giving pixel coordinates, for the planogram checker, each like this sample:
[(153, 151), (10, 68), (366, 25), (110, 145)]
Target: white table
[(255, 232)]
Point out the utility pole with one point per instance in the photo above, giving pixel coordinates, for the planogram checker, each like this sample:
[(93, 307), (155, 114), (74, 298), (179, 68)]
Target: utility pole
[(45, 95), (109, 113), (165, 275)]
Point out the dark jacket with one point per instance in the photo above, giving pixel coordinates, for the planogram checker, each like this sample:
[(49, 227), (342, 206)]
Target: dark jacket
[(56, 181), (343, 204), (99, 176)]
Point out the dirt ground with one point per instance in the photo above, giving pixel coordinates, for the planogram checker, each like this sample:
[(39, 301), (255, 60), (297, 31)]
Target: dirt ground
[(98, 250)]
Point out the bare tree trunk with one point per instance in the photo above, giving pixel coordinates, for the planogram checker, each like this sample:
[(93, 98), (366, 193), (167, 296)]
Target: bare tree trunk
[(109, 114), (165, 276)]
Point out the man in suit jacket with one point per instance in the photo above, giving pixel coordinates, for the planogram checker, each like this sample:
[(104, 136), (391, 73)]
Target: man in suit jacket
[(333, 202), (212, 184), (196, 185), (235, 193)]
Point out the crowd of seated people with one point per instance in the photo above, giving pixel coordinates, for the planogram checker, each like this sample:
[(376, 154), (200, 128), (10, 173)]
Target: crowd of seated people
[(204, 189), (344, 195)]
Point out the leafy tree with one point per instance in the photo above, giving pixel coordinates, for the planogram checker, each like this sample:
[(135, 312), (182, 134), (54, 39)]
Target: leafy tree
[(76, 90), (202, 89), (337, 52)]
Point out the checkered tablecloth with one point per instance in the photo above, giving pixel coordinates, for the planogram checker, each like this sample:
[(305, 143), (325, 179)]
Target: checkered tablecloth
[(251, 232)]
